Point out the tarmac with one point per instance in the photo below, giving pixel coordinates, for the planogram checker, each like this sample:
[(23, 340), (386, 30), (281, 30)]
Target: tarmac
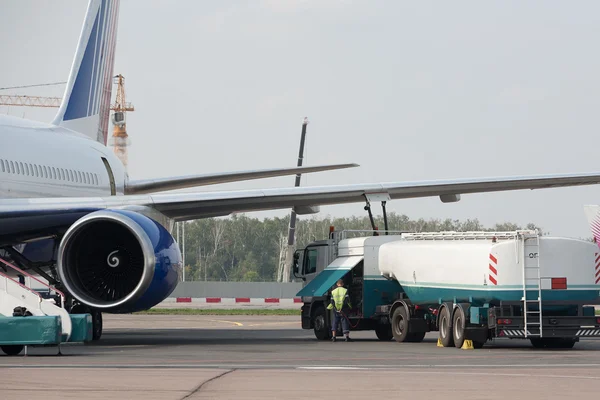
[(271, 357)]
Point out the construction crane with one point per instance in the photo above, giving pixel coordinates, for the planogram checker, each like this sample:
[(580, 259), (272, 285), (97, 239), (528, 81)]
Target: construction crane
[(119, 140)]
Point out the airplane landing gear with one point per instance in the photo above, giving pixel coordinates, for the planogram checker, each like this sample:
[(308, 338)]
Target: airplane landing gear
[(96, 319)]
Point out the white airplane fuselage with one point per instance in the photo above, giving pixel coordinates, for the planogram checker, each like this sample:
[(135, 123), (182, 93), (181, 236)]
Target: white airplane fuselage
[(42, 160)]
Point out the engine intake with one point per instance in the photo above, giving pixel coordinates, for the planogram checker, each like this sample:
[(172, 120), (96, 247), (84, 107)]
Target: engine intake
[(118, 261)]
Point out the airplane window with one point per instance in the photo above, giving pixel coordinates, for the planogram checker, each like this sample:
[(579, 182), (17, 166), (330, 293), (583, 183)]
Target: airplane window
[(79, 176), (2, 164), (96, 179), (17, 170), (87, 178), (62, 174), (71, 176), (32, 170), (21, 169)]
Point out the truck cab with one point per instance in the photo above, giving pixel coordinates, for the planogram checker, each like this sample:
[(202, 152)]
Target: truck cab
[(311, 260), (322, 263)]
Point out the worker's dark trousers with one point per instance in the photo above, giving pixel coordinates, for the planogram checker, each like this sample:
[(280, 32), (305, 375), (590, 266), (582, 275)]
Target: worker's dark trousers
[(337, 318)]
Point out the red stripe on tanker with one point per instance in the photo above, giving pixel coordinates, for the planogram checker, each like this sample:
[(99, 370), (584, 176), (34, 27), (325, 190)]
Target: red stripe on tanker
[(493, 274)]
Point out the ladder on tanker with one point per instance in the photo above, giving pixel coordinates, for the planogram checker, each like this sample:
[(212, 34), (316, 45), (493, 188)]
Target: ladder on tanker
[(532, 284)]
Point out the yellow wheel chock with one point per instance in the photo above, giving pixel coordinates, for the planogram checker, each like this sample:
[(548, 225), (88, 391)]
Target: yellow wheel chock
[(467, 345)]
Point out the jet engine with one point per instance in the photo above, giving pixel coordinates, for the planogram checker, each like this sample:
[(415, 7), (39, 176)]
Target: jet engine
[(118, 261)]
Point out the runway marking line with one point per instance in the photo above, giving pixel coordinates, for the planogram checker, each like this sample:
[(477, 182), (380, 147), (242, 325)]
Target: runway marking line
[(227, 322), (275, 323)]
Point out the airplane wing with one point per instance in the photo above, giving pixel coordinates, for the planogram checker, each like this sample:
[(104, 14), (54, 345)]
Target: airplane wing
[(186, 206), (198, 205), (182, 182)]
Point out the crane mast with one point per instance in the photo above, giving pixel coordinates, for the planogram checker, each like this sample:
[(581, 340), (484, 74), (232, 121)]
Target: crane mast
[(119, 139)]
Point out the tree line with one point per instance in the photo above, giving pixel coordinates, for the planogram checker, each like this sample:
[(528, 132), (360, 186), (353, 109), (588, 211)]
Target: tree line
[(240, 248)]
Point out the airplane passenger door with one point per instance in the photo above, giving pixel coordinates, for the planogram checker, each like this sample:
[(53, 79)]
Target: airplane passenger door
[(111, 177)]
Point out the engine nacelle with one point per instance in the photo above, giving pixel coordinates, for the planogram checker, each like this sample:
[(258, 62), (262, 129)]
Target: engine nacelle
[(119, 261)]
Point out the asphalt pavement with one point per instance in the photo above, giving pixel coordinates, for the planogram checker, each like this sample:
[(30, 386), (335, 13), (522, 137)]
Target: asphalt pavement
[(264, 357)]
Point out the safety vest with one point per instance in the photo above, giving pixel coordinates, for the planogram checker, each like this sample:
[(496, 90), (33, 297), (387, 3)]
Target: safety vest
[(338, 295)]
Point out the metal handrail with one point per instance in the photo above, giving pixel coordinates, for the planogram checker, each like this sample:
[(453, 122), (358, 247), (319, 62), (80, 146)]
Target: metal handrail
[(14, 267)]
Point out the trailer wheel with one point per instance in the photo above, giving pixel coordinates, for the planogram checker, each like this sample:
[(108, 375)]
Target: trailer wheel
[(567, 344), (12, 350), (322, 332), (537, 343), (384, 332), (552, 343), (400, 324), (458, 327), (446, 335)]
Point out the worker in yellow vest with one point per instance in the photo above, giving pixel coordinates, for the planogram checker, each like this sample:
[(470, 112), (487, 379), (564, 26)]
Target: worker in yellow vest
[(340, 304)]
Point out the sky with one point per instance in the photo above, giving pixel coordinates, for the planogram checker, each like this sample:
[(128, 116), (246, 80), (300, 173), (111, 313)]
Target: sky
[(411, 91)]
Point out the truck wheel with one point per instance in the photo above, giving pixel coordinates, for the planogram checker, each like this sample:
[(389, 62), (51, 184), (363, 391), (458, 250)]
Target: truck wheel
[(400, 324), (322, 331), (415, 337), (384, 332), (446, 335), (12, 350), (458, 327)]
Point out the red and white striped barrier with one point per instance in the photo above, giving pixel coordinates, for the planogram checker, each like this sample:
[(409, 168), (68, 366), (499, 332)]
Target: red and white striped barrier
[(235, 300)]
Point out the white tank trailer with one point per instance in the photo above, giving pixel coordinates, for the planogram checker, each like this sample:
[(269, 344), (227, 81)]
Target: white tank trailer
[(485, 285)]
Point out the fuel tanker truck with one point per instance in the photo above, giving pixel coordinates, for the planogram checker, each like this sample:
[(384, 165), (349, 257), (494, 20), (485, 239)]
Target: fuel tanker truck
[(470, 287)]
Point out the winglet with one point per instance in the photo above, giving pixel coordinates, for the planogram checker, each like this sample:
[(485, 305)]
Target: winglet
[(85, 106), (592, 213)]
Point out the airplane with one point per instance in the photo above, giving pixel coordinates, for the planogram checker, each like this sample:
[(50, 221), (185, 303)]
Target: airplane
[(70, 213)]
